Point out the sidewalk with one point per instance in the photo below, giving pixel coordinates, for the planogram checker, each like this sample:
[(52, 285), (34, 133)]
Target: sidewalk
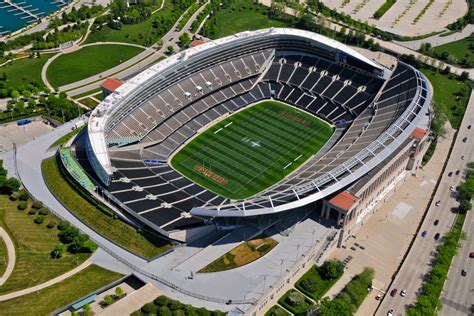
[(387, 234), (11, 256)]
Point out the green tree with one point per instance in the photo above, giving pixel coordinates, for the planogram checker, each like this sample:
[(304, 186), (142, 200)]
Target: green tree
[(119, 292), (58, 251), (108, 300), (331, 269), (14, 94)]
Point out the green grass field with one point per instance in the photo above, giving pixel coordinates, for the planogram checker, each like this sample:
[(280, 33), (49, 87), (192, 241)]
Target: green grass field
[(450, 95), (145, 33), (459, 49), (239, 16), (33, 244), (252, 149), (60, 294), (114, 229), (24, 71), (87, 62), (3, 257)]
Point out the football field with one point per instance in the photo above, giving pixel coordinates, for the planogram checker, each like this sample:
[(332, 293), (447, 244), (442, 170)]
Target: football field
[(252, 149)]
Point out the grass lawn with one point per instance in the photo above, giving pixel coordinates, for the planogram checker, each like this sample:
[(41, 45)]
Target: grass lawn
[(33, 244), (446, 89), (313, 285), (295, 302), (277, 311), (3, 257), (87, 93), (87, 62), (89, 102), (24, 71), (99, 96), (243, 254), (114, 229), (60, 294), (459, 49), (247, 152), (238, 16)]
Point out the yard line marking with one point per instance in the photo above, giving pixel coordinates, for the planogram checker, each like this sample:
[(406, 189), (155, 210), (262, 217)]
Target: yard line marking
[(228, 124), (298, 157), (220, 129), (287, 165)]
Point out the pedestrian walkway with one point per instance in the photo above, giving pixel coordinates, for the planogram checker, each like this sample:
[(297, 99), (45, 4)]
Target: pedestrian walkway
[(11, 255), (438, 40), (46, 284)]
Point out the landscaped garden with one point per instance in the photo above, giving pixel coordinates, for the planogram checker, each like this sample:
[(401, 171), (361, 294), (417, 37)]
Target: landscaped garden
[(47, 300), (93, 215), (35, 236), (460, 52), (144, 32), (277, 311), (296, 302), (163, 305), (243, 254), (318, 280), (87, 62)]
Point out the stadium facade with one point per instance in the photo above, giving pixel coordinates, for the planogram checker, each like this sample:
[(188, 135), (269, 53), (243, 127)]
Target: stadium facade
[(376, 113)]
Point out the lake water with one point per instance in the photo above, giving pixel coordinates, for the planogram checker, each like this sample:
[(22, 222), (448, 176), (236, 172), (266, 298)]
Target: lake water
[(13, 19)]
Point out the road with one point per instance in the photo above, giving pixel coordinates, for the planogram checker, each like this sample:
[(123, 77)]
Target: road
[(417, 264), (135, 64), (458, 294)]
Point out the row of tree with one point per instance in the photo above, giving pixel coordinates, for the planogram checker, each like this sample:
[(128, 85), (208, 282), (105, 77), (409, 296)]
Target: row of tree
[(349, 299), (465, 62), (7, 184)]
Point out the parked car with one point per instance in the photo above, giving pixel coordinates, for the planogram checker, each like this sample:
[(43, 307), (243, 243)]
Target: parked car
[(393, 292), (450, 173), (462, 157), (457, 172), (471, 255), (464, 139), (436, 236), (436, 222), (403, 293), (463, 272), (452, 188), (469, 127), (438, 203), (424, 233), (390, 312)]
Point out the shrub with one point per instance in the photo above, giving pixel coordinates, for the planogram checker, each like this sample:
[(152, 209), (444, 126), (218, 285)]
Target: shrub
[(58, 251), (295, 298), (51, 225), (108, 300), (32, 212), (37, 205), (63, 225), (161, 300), (43, 211), (39, 219), (13, 197), (22, 205), (150, 308), (119, 292), (22, 195), (67, 235), (165, 311)]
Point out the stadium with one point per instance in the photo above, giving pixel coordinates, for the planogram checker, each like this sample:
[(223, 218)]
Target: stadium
[(256, 126)]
